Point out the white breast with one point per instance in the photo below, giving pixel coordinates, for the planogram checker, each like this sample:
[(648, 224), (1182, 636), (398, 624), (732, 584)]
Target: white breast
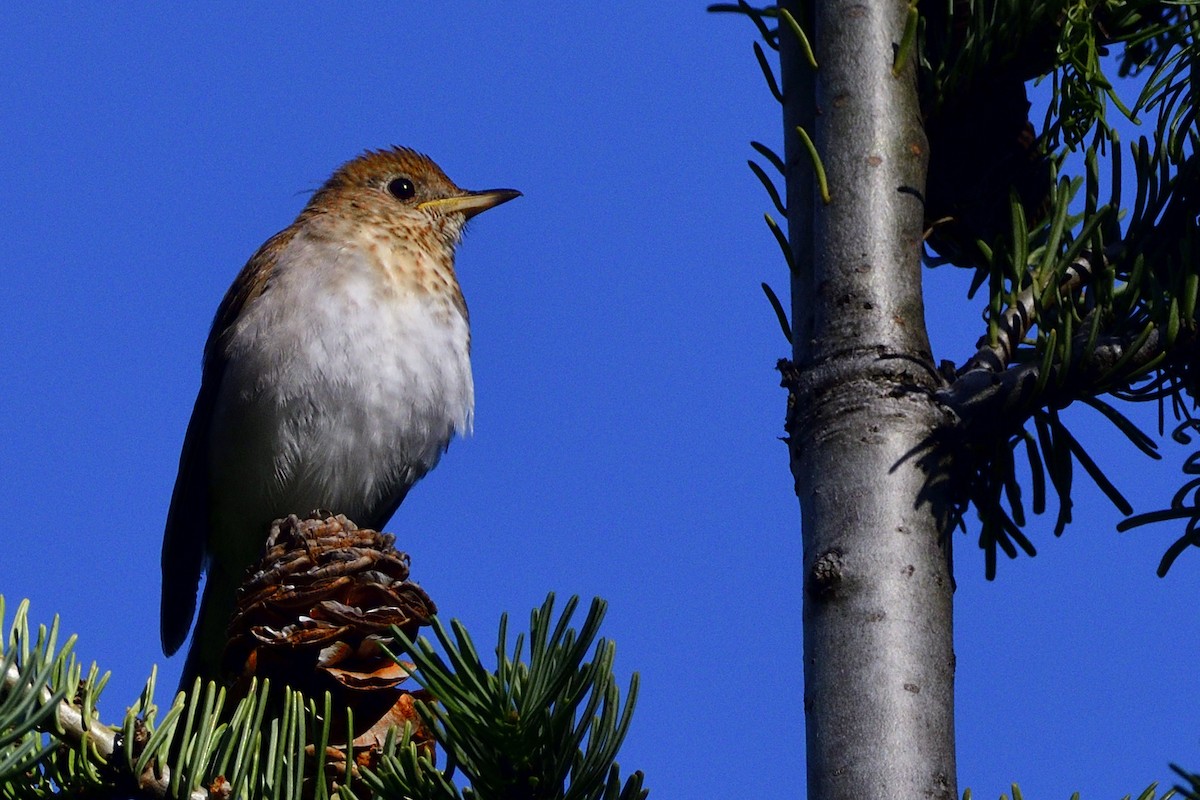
[(339, 392)]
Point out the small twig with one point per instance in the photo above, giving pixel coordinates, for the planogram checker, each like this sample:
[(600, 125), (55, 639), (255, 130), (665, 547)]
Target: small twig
[(818, 167), (770, 155), (768, 73), (780, 314), (782, 240), (988, 400), (907, 40), (768, 185), (805, 45), (73, 729), (1018, 318)]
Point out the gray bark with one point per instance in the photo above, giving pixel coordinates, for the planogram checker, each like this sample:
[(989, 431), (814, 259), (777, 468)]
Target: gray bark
[(878, 650)]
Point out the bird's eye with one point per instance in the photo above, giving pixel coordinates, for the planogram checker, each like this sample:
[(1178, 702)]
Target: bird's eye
[(401, 188)]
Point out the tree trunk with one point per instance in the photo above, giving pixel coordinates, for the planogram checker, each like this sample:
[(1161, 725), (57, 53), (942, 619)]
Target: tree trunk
[(878, 649)]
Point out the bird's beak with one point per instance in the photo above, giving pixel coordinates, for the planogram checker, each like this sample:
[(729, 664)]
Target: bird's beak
[(471, 203)]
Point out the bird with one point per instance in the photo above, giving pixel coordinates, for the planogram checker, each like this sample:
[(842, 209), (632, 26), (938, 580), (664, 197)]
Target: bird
[(336, 372)]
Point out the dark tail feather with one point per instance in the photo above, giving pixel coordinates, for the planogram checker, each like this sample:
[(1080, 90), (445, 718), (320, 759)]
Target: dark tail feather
[(211, 633)]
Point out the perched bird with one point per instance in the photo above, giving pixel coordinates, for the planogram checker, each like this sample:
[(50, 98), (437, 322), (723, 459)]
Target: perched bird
[(335, 374)]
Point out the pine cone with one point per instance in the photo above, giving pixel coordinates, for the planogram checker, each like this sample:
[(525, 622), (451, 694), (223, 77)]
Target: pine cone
[(313, 614)]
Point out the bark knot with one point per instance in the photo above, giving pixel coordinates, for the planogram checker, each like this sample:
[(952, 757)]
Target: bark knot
[(825, 576)]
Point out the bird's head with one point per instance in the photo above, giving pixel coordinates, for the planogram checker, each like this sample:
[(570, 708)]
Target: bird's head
[(405, 188)]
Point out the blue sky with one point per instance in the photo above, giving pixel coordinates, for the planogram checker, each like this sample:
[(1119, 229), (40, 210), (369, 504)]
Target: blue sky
[(627, 408)]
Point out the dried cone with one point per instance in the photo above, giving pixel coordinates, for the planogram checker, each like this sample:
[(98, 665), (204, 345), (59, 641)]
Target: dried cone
[(312, 615)]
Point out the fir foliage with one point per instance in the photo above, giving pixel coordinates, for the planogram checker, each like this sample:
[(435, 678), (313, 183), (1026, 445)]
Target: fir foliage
[(549, 728)]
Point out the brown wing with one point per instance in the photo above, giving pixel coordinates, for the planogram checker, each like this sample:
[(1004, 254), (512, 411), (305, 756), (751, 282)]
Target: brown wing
[(185, 541)]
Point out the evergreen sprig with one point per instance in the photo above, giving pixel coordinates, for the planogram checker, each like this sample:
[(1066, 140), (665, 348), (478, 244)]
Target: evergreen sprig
[(1149, 793), (546, 728), (52, 742), (271, 743), (1098, 296)]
